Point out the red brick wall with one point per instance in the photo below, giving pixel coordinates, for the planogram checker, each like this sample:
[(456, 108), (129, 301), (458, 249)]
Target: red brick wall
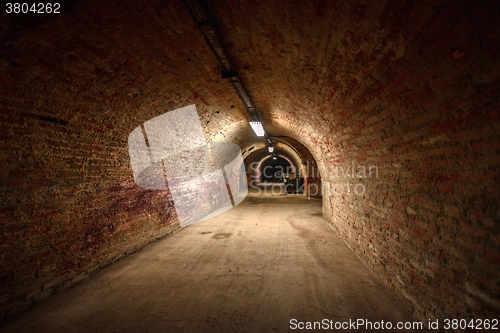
[(72, 90), (429, 120), (70, 95), (69, 203), (312, 179)]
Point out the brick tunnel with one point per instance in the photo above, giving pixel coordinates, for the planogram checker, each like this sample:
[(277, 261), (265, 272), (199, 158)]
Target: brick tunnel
[(386, 111)]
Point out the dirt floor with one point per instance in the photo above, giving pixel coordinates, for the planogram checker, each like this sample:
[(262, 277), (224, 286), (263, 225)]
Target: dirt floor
[(270, 260)]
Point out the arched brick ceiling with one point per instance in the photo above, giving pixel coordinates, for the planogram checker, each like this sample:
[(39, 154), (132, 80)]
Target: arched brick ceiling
[(307, 66)]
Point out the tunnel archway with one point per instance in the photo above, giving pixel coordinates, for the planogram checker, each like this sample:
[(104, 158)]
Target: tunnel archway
[(302, 164), (272, 169)]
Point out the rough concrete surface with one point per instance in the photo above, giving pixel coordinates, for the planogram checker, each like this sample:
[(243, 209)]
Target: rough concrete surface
[(253, 269)]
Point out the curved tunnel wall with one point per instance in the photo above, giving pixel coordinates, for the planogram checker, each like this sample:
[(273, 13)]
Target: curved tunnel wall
[(407, 87)]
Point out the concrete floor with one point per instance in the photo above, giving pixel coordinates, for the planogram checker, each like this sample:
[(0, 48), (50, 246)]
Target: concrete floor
[(271, 259)]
